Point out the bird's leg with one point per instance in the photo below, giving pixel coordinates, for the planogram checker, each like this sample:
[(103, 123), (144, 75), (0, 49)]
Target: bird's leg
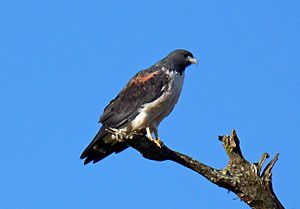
[(149, 134), (157, 141)]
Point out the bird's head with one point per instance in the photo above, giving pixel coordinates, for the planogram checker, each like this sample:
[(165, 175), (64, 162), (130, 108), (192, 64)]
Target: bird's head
[(179, 59)]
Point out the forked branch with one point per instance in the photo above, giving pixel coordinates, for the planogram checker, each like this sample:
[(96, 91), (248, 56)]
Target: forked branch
[(243, 178)]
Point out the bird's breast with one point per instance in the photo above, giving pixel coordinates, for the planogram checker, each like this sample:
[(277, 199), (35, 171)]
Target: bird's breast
[(151, 114)]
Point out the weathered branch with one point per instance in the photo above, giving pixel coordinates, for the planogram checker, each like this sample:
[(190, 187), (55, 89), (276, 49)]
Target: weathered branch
[(240, 176)]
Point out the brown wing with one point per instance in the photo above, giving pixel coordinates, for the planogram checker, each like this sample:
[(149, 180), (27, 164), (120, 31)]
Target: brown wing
[(146, 86)]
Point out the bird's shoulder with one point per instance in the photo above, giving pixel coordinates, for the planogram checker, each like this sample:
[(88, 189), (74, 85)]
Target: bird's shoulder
[(144, 77)]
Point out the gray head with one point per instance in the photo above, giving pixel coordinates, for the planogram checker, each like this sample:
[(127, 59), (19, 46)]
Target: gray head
[(178, 60)]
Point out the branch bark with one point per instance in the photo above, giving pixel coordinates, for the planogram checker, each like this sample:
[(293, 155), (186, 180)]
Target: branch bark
[(247, 180)]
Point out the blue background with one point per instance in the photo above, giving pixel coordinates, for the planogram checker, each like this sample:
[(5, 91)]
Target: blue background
[(63, 61)]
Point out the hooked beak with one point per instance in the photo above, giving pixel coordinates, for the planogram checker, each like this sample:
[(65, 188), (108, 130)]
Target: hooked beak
[(192, 60)]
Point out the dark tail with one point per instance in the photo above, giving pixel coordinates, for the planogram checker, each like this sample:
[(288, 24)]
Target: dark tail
[(101, 147)]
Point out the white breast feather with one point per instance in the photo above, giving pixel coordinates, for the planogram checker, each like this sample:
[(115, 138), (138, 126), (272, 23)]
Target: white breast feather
[(151, 114)]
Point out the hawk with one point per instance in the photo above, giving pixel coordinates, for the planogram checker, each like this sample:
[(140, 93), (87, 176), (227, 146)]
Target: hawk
[(140, 107)]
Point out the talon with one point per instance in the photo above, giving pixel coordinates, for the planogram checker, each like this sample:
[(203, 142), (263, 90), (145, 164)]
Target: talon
[(117, 134), (112, 130), (158, 142)]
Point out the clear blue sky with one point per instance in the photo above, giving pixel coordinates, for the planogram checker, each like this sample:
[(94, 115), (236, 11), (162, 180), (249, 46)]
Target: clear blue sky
[(63, 61)]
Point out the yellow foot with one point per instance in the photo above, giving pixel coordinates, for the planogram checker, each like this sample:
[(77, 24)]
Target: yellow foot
[(117, 134), (158, 142)]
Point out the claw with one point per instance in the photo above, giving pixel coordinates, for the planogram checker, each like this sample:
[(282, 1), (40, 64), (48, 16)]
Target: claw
[(111, 130), (117, 134), (157, 140)]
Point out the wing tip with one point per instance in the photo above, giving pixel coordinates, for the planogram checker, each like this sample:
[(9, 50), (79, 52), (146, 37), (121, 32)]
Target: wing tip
[(87, 161)]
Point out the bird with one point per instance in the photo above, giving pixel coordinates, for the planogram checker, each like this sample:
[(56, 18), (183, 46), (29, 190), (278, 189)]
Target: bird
[(142, 104)]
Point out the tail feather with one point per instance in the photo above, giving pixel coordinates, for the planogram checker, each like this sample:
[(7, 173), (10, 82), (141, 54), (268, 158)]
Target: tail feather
[(100, 147)]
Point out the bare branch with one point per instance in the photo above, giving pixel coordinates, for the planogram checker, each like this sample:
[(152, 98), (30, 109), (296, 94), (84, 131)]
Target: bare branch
[(240, 176)]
